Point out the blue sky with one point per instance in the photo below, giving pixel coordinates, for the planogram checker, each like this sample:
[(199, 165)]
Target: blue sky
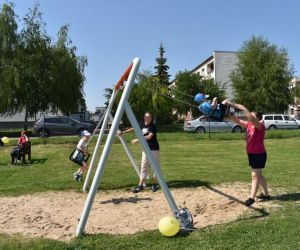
[(112, 32)]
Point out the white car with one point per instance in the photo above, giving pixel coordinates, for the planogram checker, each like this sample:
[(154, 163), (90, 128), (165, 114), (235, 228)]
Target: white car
[(274, 121), (297, 120), (209, 124)]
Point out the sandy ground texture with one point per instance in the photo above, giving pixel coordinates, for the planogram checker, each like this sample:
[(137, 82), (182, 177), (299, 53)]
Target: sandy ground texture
[(55, 214)]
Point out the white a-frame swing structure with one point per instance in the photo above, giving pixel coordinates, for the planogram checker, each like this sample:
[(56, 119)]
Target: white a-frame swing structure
[(183, 215), (104, 120)]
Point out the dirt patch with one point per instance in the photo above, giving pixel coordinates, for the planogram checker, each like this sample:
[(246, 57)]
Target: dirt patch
[(55, 214)]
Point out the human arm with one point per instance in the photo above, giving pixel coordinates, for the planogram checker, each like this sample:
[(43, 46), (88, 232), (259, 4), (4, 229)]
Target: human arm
[(125, 131), (214, 103), (249, 116), (237, 120), (147, 137)]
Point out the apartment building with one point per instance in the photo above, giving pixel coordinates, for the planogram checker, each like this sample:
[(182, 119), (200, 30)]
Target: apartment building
[(219, 66)]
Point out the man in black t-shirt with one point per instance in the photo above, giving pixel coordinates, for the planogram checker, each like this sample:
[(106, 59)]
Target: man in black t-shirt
[(149, 131)]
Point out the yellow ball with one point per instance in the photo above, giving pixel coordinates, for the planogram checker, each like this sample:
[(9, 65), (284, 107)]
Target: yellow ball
[(168, 226), (5, 140)]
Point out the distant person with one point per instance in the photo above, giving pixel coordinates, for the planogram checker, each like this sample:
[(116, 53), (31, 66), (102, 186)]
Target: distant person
[(20, 148), (80, 156), (257, 155), (149, 131)]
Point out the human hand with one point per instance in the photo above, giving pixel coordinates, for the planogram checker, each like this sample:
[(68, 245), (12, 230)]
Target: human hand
[(120, 133), (134, 141)]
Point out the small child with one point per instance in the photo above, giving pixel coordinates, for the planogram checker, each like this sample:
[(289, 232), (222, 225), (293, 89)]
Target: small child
[(214, 109), (16, 152), (80, 154)]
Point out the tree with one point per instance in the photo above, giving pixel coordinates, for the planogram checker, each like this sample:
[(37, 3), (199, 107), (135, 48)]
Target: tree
[(36, 75), (261, 80), (149, 95), (295, 90), (8, 45), (68, 75), (34, 63), (187, 85), (107, 94), (162, 68)]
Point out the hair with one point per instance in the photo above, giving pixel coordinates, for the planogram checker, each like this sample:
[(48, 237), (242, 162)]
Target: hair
[(148, 113), (258, 115), (23, 132)]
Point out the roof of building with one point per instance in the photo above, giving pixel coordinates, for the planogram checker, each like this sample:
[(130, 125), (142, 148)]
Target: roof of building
[(209, 58)]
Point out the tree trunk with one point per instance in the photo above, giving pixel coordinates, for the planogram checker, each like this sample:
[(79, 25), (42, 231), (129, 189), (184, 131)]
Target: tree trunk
[(26, 119)]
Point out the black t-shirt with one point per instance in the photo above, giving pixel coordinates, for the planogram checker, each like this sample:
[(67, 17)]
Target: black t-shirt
[(151, 128)]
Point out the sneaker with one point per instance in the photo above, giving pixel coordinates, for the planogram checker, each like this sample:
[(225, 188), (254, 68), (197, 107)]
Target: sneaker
[(138, 189), (249, 202), (80, 177), (263, 197), (76, 176), (154, 187)]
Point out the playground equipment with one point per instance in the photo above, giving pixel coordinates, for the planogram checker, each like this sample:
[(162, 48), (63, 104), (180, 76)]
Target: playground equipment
[(183, 215), (104, 120)]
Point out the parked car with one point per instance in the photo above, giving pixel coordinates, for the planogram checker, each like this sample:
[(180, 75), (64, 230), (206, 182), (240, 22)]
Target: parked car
[(297, 120), (60, 125), (205, 124), (274, 121)]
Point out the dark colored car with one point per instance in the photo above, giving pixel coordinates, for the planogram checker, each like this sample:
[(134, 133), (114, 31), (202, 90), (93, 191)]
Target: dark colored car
[(60, 125)]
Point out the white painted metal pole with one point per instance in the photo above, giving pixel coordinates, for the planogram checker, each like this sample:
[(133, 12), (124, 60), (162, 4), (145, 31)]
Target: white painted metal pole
[(107, 148), (150, 157), (128, 151), (99, 140), (98, 125)]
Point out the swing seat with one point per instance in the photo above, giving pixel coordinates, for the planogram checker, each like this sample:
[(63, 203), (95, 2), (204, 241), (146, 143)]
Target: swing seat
[(79, 158)]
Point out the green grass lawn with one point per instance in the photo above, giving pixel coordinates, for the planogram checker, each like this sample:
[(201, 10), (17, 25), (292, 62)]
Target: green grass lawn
[(187, 160)]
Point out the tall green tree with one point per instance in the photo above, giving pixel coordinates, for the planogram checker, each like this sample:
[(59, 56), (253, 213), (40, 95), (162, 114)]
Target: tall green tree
[(149, 95), (9, 40), (34, 63), (187, 85), (107, 94), (262, 78), (35, 74), (162, 68), (68, 75)]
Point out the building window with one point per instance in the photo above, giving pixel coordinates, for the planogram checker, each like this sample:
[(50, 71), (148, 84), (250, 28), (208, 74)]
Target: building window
[(210, 68)]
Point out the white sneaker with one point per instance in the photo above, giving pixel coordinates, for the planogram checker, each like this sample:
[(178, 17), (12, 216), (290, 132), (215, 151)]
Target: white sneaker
[(76, 176)]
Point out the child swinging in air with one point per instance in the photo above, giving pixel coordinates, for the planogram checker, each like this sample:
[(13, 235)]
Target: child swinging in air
[(214, 109), (80, 155)]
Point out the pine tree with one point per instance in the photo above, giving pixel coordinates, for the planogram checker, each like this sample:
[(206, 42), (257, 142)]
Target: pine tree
[(162, 68)]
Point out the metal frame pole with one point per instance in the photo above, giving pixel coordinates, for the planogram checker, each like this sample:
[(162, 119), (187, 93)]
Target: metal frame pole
[(128, 151), (107, 148), (150, 158), (99, 140)]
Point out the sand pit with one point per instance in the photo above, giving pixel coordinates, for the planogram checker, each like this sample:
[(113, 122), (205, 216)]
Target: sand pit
[(55, 214)]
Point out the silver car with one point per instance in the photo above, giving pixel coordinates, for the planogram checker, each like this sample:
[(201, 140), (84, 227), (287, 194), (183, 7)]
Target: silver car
[(204, 124), (274, 121)]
